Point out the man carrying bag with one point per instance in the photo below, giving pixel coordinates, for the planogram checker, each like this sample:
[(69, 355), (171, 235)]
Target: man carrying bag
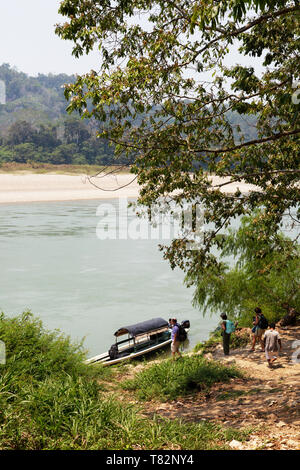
[(228, 327)]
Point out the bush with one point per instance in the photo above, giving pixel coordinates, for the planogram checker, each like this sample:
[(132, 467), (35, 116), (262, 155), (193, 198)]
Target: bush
[(170, 379), (214, 339), (48, 397), (31, 350), (238, 339)]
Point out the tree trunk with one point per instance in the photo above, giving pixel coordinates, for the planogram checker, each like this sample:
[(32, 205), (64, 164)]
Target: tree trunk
[(291, 318)]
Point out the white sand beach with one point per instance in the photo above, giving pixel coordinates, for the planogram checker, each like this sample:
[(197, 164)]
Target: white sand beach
[(19, 188), (23, 188)]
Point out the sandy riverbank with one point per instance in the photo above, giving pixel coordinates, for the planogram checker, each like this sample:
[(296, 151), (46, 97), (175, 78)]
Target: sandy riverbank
[(19, 188)]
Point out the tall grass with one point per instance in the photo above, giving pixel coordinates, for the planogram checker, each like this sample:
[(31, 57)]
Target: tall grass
[(169, 379), (49, 399)]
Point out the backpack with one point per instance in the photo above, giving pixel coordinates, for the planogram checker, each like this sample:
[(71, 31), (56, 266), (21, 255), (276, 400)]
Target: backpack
[(263, 322), (182, 334), (113, 352), (230, 326)]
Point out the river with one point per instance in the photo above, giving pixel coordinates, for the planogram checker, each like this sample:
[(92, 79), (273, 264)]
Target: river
[(54, 263)]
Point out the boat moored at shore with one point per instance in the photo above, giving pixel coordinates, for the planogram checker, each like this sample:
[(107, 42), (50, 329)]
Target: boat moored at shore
[(142, 338)]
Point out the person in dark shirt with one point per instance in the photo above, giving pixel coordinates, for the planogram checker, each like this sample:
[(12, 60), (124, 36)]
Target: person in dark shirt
[(226, 336), (258, 331)]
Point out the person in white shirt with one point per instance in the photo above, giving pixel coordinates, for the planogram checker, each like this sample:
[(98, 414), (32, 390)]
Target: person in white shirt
[(272, 344)]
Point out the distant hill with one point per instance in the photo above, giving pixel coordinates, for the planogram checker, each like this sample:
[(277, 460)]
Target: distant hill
[(35, 127), (33, 99)]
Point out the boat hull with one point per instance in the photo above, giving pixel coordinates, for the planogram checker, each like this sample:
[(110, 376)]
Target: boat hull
[(105, 360)]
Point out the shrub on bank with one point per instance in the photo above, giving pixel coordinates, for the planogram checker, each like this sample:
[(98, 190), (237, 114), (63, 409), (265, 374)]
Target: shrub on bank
[(239, 339), (169, 379)]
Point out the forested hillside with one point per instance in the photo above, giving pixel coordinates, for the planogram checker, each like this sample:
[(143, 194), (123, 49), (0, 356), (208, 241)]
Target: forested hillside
[(35, 127)]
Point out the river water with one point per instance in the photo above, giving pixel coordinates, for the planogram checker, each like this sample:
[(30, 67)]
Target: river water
[(54, 263)]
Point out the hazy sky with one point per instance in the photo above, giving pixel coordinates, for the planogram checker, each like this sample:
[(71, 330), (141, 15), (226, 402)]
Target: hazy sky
[(29, 43), (28, 40)]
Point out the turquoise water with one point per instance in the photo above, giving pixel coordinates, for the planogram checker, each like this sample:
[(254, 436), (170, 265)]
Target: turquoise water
[(53, 263)]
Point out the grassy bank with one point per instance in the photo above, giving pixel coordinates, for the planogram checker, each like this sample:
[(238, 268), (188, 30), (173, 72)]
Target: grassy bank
[(168, 380), (45, 168), (49, 399)]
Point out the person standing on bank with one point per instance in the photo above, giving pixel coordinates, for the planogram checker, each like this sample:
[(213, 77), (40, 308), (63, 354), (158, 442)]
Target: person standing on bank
[(272, 343), (260, 324), (228, 327), (175, 338)]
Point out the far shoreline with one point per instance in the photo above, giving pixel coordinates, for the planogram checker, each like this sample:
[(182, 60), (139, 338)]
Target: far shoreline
[(23, 184)]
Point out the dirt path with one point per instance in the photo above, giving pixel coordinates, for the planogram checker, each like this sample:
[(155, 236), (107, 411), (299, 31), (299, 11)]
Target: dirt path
[(265, 400)]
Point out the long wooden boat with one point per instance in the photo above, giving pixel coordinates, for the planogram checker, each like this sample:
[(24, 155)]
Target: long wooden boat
[(142, 338)]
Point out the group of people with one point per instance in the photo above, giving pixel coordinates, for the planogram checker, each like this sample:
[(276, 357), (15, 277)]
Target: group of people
[(262, 332)]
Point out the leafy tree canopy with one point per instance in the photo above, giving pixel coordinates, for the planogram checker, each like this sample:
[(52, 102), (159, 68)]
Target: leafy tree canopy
[(155, 59), (265, 273)]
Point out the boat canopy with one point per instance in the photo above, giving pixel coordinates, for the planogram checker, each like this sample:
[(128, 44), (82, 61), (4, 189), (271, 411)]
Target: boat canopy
[(143, 327)]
